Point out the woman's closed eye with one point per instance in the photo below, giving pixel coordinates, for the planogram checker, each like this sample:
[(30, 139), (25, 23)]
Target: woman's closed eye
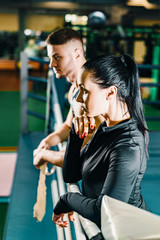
[(84, 90)]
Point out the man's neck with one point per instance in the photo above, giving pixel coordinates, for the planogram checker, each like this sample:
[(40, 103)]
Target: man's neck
[(74, 75)]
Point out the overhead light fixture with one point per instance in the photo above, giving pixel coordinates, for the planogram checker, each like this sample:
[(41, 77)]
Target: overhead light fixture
[(28, 32), (75, 19), (141, 3), (56, 5)]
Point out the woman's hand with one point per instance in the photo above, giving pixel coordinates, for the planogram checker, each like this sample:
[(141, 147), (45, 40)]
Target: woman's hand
[(58, 219), (84, 125)]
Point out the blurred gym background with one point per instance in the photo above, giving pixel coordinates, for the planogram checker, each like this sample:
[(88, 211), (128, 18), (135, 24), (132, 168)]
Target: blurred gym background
[(106, 26)]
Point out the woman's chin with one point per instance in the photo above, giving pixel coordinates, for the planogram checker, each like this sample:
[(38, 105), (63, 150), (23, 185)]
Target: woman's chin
[(90, 115)]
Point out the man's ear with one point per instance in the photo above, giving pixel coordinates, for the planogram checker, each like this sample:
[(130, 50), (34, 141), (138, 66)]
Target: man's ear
[(77, 53), (111, 92)]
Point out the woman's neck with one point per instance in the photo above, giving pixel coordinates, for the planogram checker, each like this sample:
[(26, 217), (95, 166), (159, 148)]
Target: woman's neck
[(117, 113), (111, 123)]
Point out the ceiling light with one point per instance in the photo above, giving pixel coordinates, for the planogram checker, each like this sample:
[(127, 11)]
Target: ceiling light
[(141, 3)]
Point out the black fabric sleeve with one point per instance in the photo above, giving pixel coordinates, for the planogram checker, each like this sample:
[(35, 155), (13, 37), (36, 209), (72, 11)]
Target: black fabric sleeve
[(72, 163), (121, 177), (79, 203)]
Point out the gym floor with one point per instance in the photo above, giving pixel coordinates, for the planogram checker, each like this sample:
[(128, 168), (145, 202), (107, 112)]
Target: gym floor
[(10, 129)]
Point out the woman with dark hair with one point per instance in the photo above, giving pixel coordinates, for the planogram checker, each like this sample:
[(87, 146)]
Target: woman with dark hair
[(113, 162)]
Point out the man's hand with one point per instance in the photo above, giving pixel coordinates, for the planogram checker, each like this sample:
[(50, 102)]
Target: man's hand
[(43, 145), (58, 219), (38, 157), (49, 156), (39, 153), (84, 125)]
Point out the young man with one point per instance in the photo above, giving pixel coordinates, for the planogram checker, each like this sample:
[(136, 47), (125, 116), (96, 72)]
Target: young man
[(66, 54)]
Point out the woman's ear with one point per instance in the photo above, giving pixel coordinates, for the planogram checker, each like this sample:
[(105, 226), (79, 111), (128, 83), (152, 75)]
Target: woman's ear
[(111, 92)]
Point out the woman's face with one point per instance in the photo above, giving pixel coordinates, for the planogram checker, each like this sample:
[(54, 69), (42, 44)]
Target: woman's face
[(92, 97)]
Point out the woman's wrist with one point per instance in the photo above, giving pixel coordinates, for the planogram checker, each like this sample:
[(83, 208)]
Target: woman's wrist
[(61, 206)]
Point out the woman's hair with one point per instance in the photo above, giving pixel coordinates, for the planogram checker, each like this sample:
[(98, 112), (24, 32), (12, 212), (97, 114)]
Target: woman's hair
[(121, 72)]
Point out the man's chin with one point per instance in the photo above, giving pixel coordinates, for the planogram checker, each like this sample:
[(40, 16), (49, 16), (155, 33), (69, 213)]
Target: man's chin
[(59, 75)]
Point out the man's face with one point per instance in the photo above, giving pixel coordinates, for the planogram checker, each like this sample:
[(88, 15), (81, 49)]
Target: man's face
[(62, 59)]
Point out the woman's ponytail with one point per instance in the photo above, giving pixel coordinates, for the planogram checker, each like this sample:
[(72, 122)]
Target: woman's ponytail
[(134, 101)]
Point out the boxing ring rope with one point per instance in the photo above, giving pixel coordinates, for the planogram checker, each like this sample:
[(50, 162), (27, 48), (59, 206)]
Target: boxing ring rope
[(91, 228), (24, 75), (58, 121), (148, 66)]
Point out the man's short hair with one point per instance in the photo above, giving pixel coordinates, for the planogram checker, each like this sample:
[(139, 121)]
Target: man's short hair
[(62, 36)]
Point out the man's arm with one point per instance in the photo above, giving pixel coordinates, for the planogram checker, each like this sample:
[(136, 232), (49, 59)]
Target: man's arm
[(59, 135), (54, 157), (42, 154)]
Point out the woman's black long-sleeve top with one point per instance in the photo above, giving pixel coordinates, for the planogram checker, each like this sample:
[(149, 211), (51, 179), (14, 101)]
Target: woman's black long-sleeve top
[(112, 163)]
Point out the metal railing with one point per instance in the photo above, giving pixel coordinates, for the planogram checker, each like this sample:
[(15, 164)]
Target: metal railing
[(60, 183)]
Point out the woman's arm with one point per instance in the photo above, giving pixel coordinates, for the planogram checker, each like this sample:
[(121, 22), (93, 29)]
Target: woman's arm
[(87, 207), (119, 183), (72, 162)]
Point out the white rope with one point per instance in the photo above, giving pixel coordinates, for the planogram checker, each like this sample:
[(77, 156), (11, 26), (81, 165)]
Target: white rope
[(55, 198), (90, 228)]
